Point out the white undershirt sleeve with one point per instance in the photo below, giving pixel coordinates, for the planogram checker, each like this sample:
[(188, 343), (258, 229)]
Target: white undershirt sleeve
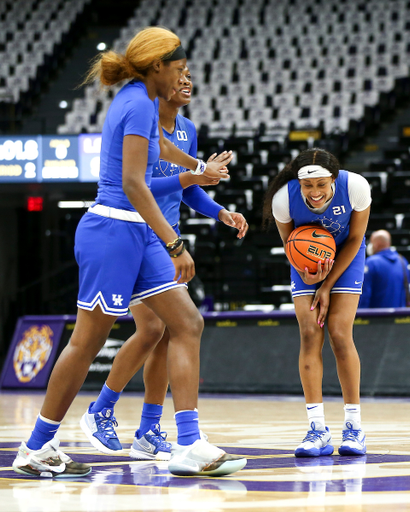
[(359, 192), (280, 205)]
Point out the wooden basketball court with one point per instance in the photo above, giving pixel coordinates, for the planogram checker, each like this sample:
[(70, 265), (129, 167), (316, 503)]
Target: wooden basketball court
[(264, 429)]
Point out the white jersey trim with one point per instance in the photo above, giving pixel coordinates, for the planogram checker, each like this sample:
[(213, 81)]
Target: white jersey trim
[(99, 300), (139, 297), (358, 190), (345, 290), (280, 205)]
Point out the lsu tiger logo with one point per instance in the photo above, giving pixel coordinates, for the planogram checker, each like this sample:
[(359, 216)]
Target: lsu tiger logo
[(32, 352)]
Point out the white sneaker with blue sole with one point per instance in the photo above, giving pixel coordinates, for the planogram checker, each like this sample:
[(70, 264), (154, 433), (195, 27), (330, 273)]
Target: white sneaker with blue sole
[(353, 441), (151, 446), (317, 443), (99, 429), (203, 459)]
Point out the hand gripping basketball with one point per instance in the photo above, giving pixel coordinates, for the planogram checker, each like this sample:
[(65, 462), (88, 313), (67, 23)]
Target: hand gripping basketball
[(307, 245)]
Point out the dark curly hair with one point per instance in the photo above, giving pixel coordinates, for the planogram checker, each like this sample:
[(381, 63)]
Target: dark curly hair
[(311, 156)]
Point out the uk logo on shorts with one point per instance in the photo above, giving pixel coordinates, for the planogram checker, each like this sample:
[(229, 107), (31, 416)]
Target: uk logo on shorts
[(117, 299)]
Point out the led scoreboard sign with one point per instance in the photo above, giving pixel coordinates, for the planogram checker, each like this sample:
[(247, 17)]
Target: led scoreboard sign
[(59, 158), (19, 159), (50, 158), (89, 148)]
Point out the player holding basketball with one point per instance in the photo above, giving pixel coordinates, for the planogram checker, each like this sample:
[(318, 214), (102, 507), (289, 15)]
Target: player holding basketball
[(312, 189), (98, 422)]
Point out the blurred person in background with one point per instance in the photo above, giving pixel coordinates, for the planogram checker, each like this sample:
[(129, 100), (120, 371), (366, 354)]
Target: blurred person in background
[(386, 275)]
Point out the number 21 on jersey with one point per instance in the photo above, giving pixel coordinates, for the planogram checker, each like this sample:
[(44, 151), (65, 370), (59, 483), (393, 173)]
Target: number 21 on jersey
[(338, 210)]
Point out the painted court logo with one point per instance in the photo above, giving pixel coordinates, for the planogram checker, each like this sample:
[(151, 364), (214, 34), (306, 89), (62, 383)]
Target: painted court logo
[(32, 352)]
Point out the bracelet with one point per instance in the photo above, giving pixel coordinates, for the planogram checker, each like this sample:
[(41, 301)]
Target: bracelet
[(178, 253), (172, 246), (172, 243), (200, 168)]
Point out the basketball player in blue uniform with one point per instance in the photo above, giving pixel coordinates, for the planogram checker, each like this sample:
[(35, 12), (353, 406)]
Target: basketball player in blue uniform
[(119, 256), (99, 421), (312, 190)]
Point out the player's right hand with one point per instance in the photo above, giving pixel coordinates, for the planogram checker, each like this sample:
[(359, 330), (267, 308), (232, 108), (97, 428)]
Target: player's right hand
[(184, 268), (321, 274)]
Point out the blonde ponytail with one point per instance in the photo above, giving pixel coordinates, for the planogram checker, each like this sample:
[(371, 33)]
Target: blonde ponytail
[(147, 46)]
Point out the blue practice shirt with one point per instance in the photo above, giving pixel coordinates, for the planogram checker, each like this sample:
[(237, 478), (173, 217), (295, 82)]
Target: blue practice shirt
[(168, 192), (383, 285), (132, 112)]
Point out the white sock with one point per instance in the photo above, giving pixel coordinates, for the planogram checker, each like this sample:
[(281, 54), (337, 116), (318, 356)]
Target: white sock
[(352, 415), (316, 415)]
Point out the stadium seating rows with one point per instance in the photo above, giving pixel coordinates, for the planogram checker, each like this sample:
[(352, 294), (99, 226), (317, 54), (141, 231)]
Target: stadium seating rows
[(297, 63), (29, 33), (260, 69)]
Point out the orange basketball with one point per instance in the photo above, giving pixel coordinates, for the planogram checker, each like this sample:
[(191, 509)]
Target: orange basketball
[(307, 245)]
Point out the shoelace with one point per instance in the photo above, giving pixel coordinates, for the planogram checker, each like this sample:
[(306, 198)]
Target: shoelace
[(313, 435), (159, 437), (107, 425), (351, 435)]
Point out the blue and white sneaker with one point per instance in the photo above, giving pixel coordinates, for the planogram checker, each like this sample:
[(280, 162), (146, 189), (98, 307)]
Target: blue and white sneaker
[(151, 446), (353, 442), (315, 444), (99, 429)]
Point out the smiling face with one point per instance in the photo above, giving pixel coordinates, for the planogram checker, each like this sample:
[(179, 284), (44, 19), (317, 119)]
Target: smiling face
[(317, 190), (183, 95), (169, 77)]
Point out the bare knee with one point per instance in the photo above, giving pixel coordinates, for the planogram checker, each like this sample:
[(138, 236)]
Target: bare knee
[(195, 323), (152, 328), (341, 342), (190, 324), (87, 342), (90, 332), (311, 337)]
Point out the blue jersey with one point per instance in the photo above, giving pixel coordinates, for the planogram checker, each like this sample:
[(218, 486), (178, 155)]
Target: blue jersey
[(131, 113), (168, 192), (184, 138), (384, 280), (335, 218)]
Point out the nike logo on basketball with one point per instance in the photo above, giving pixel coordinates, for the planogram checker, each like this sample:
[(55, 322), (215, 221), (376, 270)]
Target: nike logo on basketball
[(316, 235)]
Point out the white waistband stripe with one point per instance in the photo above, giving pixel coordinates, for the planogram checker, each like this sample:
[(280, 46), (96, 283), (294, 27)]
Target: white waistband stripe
[(115, 213)]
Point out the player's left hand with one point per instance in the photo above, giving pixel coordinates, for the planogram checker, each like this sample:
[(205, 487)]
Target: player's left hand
[(321, 298), (235, 220), (225, 157), (216, 165)]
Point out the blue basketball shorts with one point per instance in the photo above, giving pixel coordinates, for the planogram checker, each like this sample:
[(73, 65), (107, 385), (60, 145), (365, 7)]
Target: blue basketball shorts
[(351, 281), (119, 260), (135, 299)]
